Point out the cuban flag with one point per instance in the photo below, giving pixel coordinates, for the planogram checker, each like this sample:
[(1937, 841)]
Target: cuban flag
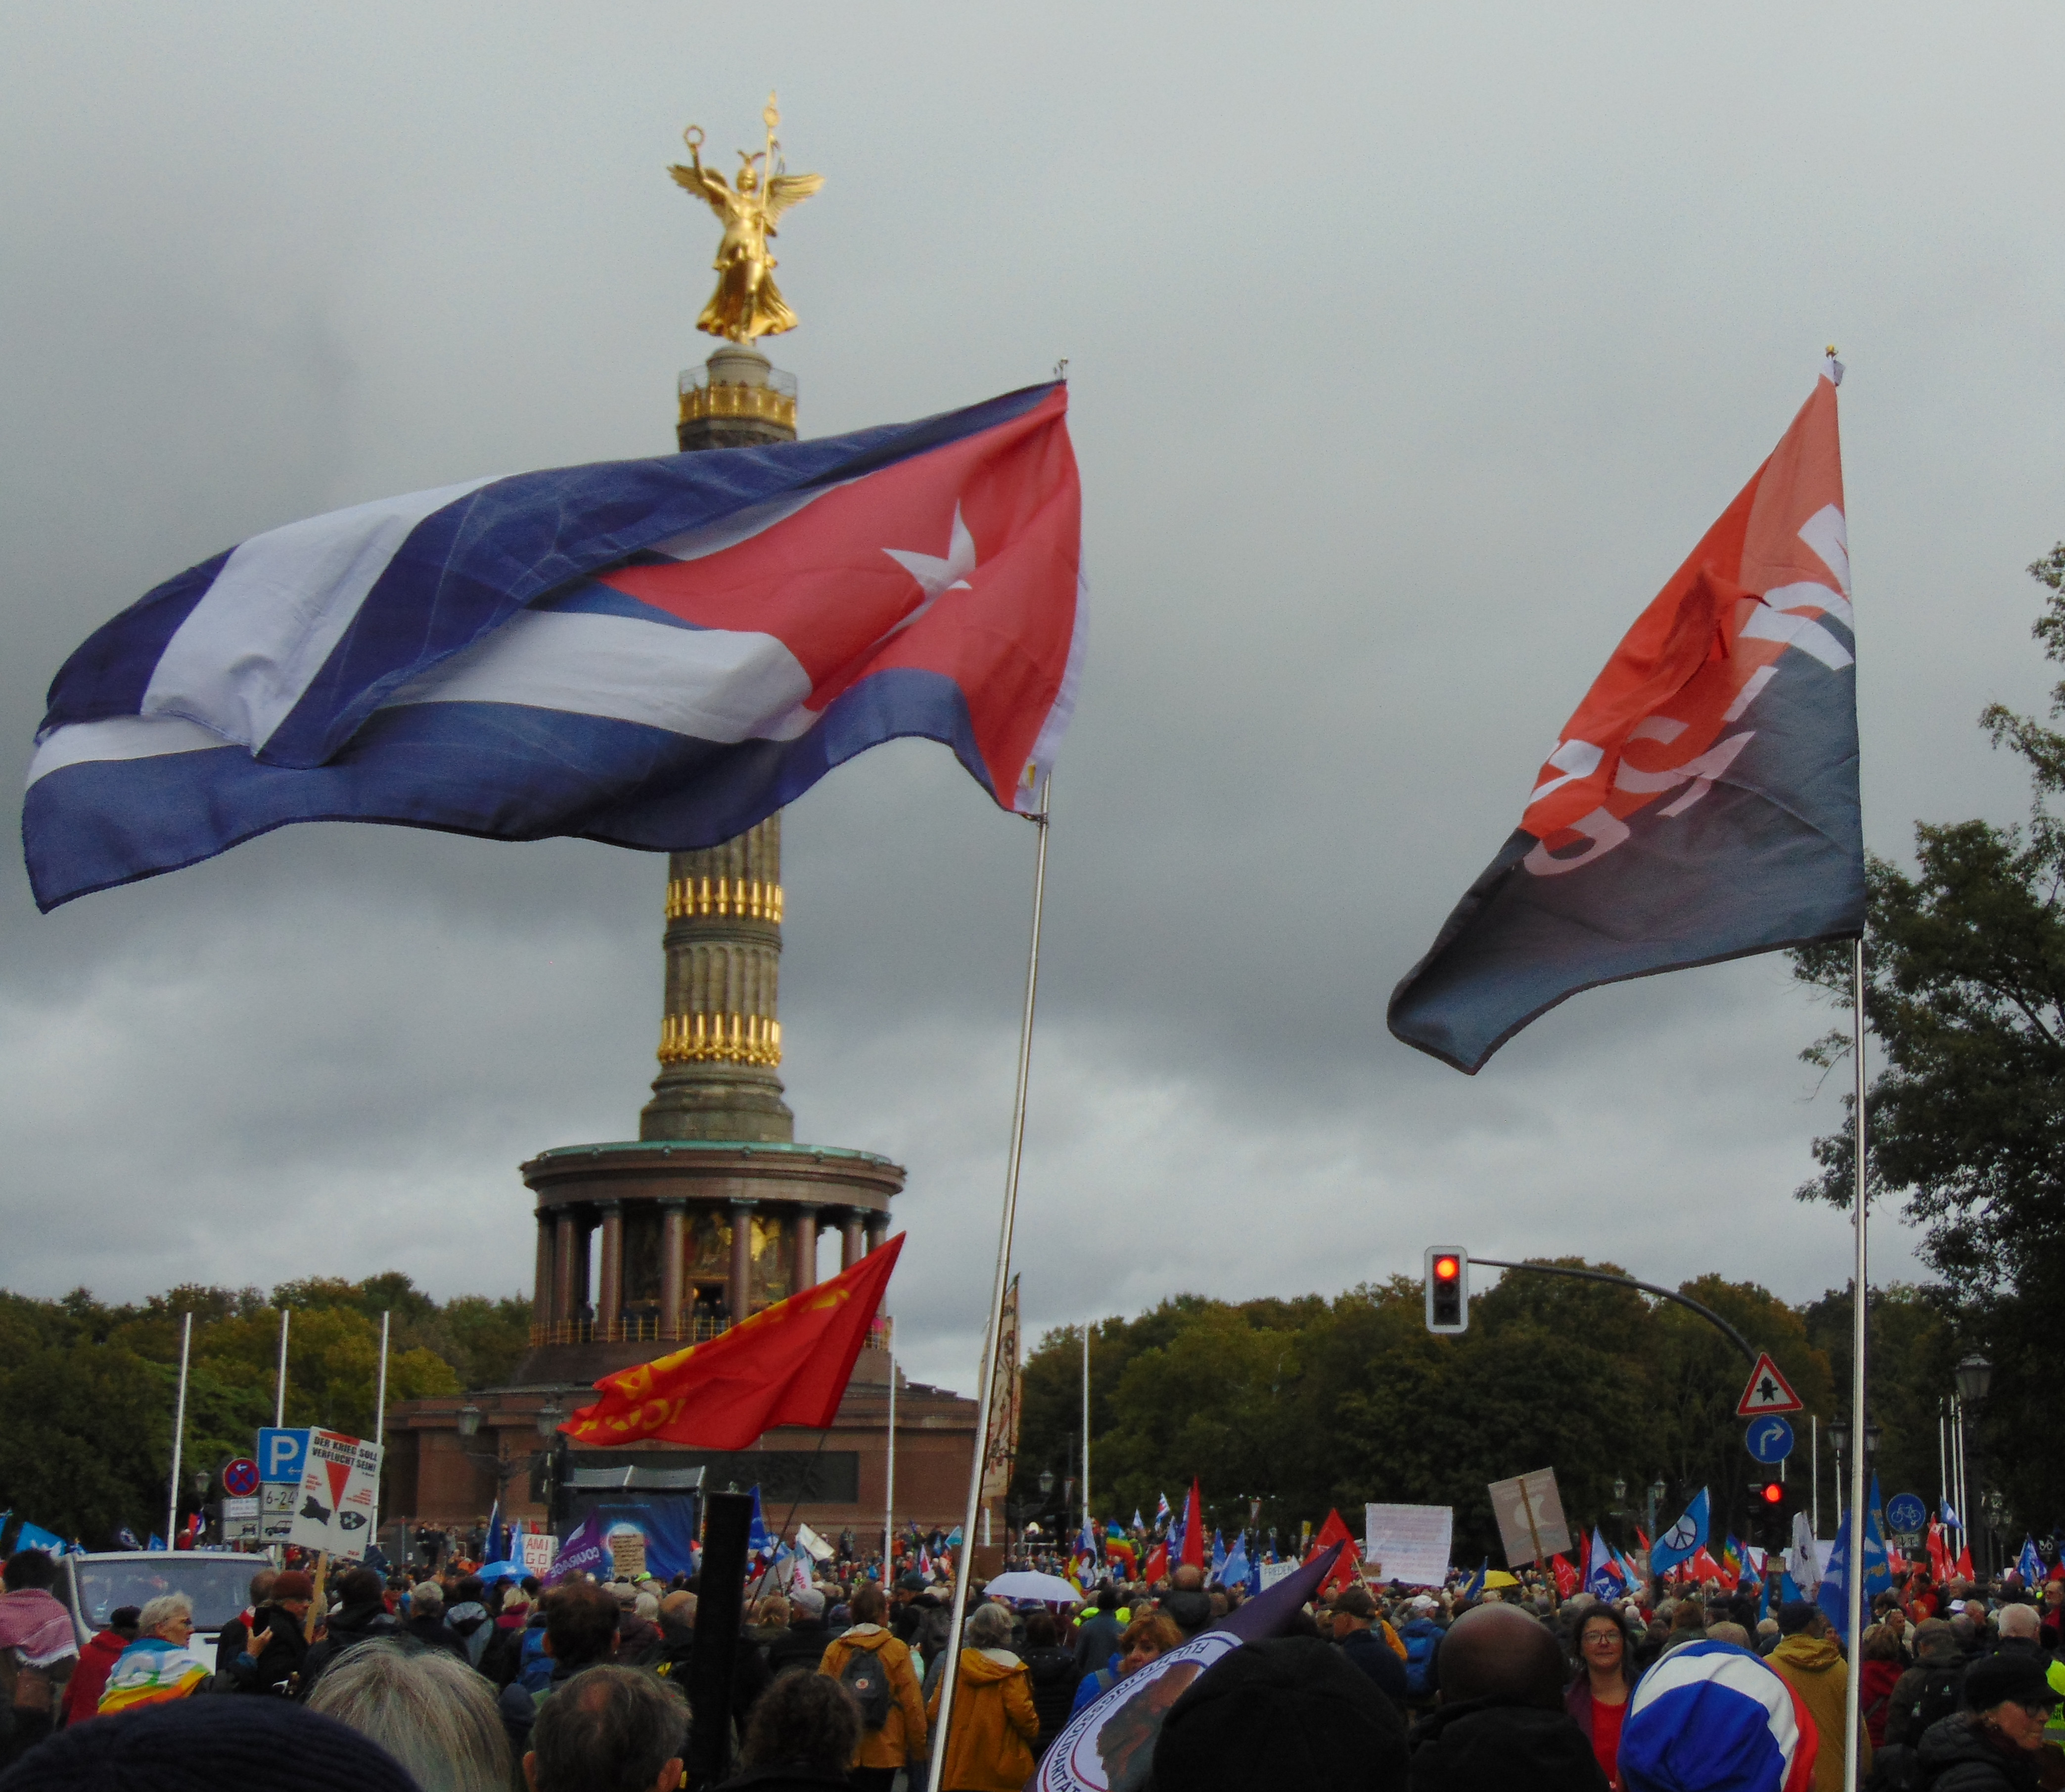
[(1711, 1714), (1702, 804), (654, 653)]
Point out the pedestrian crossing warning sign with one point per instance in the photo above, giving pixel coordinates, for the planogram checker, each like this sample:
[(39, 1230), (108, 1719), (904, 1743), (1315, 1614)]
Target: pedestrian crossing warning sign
[(1768, 1391)]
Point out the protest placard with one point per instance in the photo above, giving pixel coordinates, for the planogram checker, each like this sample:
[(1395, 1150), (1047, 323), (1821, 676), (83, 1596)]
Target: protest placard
[(1409, 1543), (1530, 1512), (334, 1504)]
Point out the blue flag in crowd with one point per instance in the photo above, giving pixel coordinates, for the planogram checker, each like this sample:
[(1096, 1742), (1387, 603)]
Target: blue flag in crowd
[(2029, 1564), (156, 1542), (1218, 1555), (655, 653), (757, 1537), (1833, 1597), (1474, 1587), (34, 1536), (1683, 1540), (125, 1539), (1950, 1517), (1701, 803), (1604, 1581), (1138, 1523)]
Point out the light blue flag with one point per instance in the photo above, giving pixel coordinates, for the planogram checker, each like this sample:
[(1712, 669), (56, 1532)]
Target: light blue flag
[(34, 1536), (1233, 1571), (2029, 1564), (758, 1539), (1683, 1540), (1218, 1558), (1139, 1524), (1606, 1580), (1950, 1517), (156, 1542)]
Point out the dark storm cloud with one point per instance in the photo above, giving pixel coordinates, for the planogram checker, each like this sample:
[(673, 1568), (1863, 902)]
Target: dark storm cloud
[(1410, 351)]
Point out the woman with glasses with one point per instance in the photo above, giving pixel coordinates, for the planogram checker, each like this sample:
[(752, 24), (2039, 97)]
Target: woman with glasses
[(1597, 1697), (1992, 1746)]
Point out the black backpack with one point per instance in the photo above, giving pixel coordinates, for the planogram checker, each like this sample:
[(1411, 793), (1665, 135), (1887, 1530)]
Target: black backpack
[(1942, 1692), (867, 1679)]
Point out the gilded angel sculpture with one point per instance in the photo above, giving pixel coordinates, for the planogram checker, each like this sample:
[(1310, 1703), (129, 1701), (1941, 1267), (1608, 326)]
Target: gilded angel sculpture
[(746, 303)]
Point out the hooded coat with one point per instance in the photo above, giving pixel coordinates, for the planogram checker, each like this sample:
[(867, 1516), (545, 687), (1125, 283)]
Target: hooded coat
[(1813, 1667), (989, 1747), (1485, 1745), (901, 1739)]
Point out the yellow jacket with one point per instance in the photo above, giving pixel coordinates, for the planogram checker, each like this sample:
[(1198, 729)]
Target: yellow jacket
[(1813, 1667), (989, 1742), (901, 1738)]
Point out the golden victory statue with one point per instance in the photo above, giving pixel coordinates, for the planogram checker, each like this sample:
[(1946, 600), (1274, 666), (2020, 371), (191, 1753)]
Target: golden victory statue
[(746, 303)]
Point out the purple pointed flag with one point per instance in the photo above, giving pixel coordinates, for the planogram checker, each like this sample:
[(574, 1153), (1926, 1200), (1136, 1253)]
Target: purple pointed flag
[(1702, 804)]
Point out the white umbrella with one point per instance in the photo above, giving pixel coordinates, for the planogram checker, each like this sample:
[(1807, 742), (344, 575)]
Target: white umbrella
[(1049, 1588)]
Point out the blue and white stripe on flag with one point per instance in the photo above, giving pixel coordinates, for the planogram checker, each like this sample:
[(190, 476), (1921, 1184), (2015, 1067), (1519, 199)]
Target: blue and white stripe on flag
[(655, 653), (2029, 1564)]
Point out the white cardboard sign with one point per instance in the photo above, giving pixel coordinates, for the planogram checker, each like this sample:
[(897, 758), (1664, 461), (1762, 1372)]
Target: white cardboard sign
[(1409, 1543), (539, 1548), (334, 1504), (1530, 1510)]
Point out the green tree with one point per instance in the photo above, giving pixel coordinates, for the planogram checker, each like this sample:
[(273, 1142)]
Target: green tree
[(1965, 995)]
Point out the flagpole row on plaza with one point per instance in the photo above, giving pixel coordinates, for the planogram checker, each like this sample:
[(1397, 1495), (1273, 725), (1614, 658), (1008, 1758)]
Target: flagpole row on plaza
[(1854, 1563), (179, 1435), (1086, 1427), (993, 1333)]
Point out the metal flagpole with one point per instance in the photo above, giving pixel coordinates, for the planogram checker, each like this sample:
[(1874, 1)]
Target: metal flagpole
[(280, 1396), (178, 1436), (1943, 1466), (380, 1425), (1086, 1427), (993, 1336), (1814, 1461), (1853, 1589), (889, 1489)]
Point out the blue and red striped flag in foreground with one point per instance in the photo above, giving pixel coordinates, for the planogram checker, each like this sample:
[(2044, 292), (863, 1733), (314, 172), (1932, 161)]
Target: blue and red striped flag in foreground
[(657, 653), (1702, 804)]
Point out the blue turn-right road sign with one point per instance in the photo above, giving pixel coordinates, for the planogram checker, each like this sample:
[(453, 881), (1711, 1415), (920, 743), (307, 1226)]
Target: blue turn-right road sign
[(1768, 1440)]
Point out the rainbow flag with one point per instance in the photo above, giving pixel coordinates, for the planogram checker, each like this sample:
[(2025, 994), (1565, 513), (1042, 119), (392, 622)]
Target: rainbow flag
[(150, 1671)]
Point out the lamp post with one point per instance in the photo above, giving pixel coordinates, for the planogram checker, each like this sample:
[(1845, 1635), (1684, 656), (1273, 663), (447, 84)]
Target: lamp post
[(1975, 1379), (1657, 1491), (1839, 1442)]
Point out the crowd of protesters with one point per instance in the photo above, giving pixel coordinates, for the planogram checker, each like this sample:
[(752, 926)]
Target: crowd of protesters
[(441, 1682)]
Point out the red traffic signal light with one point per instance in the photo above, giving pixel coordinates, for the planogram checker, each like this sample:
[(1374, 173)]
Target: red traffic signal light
[(1448, 1275), (1772, 1492)]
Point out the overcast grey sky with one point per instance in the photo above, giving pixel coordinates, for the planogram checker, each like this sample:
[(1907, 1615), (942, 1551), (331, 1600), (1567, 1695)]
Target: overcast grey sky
[(1410, 350)]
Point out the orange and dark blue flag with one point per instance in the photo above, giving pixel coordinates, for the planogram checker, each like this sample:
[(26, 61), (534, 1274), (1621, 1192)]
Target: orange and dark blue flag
[(1702, 804)]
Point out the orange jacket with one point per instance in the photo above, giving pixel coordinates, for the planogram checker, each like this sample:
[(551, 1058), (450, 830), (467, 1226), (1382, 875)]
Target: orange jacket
[(901, 1738), (989, 1741)]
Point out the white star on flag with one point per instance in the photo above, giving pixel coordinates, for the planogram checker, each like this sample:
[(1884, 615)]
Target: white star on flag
[(936, 576)]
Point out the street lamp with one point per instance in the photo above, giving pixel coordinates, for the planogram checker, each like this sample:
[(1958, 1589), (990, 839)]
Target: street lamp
[(1046, 1483), (469, 1420), (1620, 1492), (549, 1415), (1974, 1377), (1838, 1441), (1872, 1434)]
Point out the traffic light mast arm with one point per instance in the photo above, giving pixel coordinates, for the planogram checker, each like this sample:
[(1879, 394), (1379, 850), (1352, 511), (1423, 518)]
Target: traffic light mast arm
[(1705, 1313)]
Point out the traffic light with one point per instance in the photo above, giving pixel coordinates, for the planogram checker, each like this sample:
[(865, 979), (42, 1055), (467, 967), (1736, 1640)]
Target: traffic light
[(1448, 1288), (1770, 1508)]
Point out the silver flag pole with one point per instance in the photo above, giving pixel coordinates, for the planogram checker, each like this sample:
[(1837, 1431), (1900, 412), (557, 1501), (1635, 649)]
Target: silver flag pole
[(949, 1669)]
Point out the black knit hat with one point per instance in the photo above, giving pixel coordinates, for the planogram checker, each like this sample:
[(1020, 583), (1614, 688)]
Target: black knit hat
[(2000, 1678), (205, 1744), (1287, 1713)]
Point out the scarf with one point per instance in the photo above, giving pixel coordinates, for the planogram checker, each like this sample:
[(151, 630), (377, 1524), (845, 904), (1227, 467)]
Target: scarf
[(37, 1624)]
